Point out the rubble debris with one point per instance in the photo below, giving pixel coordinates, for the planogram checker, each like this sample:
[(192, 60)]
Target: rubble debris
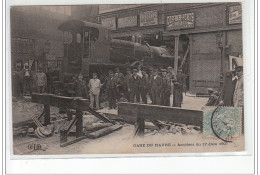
[(102, 132), (96, 126), (21, 131)]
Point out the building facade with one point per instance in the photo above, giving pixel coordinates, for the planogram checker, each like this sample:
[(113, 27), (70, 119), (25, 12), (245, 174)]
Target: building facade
[(35, 38), (201, 35)]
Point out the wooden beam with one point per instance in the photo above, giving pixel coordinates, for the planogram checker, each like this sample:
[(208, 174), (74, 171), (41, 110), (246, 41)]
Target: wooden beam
[(61, 101), (163, 113)]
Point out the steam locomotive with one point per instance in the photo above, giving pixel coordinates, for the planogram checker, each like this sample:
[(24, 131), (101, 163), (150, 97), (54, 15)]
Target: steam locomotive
[(88, 47)]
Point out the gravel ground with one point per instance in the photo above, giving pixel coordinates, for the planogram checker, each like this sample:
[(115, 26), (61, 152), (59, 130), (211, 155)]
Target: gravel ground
[(105, 144)]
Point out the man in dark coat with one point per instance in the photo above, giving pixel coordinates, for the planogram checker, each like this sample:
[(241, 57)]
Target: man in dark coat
[(144, 86), (111, 88), (166, 89), (126, 84), (134, 87), (213, 97), (181, 80), (156, 87), (120, 80)]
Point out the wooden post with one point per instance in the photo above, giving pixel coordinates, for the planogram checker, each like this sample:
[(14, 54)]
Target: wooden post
[(139, 127), (176, 52), (79, 123), (47, 119), (63, 136)]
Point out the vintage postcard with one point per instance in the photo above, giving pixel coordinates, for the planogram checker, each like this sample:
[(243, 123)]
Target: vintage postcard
[(127, 78)]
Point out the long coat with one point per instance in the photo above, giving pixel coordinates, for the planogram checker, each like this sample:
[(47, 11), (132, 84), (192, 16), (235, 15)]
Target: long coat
[(238, 98), (156, 88)]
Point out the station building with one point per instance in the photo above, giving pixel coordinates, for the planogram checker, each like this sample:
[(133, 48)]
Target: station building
[(205, 34)]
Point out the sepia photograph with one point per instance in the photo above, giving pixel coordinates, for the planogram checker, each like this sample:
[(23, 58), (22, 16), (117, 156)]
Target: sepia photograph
[(127, 78)]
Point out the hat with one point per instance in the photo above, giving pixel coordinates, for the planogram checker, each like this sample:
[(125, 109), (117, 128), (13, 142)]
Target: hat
[(110, 71), (211, 90), (170, 67), (163, 70), (94, 73), (135, 70)]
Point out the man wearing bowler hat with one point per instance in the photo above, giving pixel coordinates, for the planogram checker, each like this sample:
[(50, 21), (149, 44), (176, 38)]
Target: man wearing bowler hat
[(134, 86), (156, 87), (166, 88), (111, 87), (126, 83)]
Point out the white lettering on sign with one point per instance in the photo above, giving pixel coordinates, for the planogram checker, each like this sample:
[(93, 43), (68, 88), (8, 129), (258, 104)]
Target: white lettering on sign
[(109, 22), (235, 14), (148, 18), (181, 21), (129, 21)]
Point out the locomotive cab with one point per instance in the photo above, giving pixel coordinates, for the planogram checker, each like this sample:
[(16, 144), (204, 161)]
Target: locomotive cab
[(82, 43)]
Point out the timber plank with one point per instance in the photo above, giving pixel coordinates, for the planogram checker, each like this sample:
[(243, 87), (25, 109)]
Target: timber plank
[(61, 101), (164, 113)]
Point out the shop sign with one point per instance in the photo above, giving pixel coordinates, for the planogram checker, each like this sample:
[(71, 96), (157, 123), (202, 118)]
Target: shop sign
[(22, 45), (148, 18), (235, 14), (182, 21), (109, 22), (129, 21)]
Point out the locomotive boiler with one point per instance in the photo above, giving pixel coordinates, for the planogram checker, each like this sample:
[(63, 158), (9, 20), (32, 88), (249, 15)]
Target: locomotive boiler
[(89, 47)]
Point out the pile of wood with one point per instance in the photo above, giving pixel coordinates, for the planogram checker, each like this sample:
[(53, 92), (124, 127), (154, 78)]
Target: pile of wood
[(100, 129)]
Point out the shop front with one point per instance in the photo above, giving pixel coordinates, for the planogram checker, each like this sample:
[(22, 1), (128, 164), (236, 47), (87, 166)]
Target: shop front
[(200, 36)]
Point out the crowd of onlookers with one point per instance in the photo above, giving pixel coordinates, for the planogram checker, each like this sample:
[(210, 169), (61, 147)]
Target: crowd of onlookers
[(153, 85), (145, 85)]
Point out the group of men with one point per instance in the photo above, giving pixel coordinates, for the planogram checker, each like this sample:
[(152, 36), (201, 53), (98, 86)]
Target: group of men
[(25, 81), (140, 84)]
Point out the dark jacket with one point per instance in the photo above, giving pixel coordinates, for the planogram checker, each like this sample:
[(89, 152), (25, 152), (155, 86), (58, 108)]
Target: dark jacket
[(144, 81), (134, 83), (156, 84), (126, 81), (110, 83)]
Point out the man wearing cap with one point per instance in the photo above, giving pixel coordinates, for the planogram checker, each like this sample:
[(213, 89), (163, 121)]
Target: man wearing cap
[(156, 87), (41, 81), (111, 87), (144, 82), (80, 85), (120, 80), (139, 71), (27, 79), (134, 87), (126, 83), (94, 90), (166, 89), (213, 98), (238, 97)]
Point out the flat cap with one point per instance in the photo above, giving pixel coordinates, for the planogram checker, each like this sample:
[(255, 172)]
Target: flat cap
[(163, 70)]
